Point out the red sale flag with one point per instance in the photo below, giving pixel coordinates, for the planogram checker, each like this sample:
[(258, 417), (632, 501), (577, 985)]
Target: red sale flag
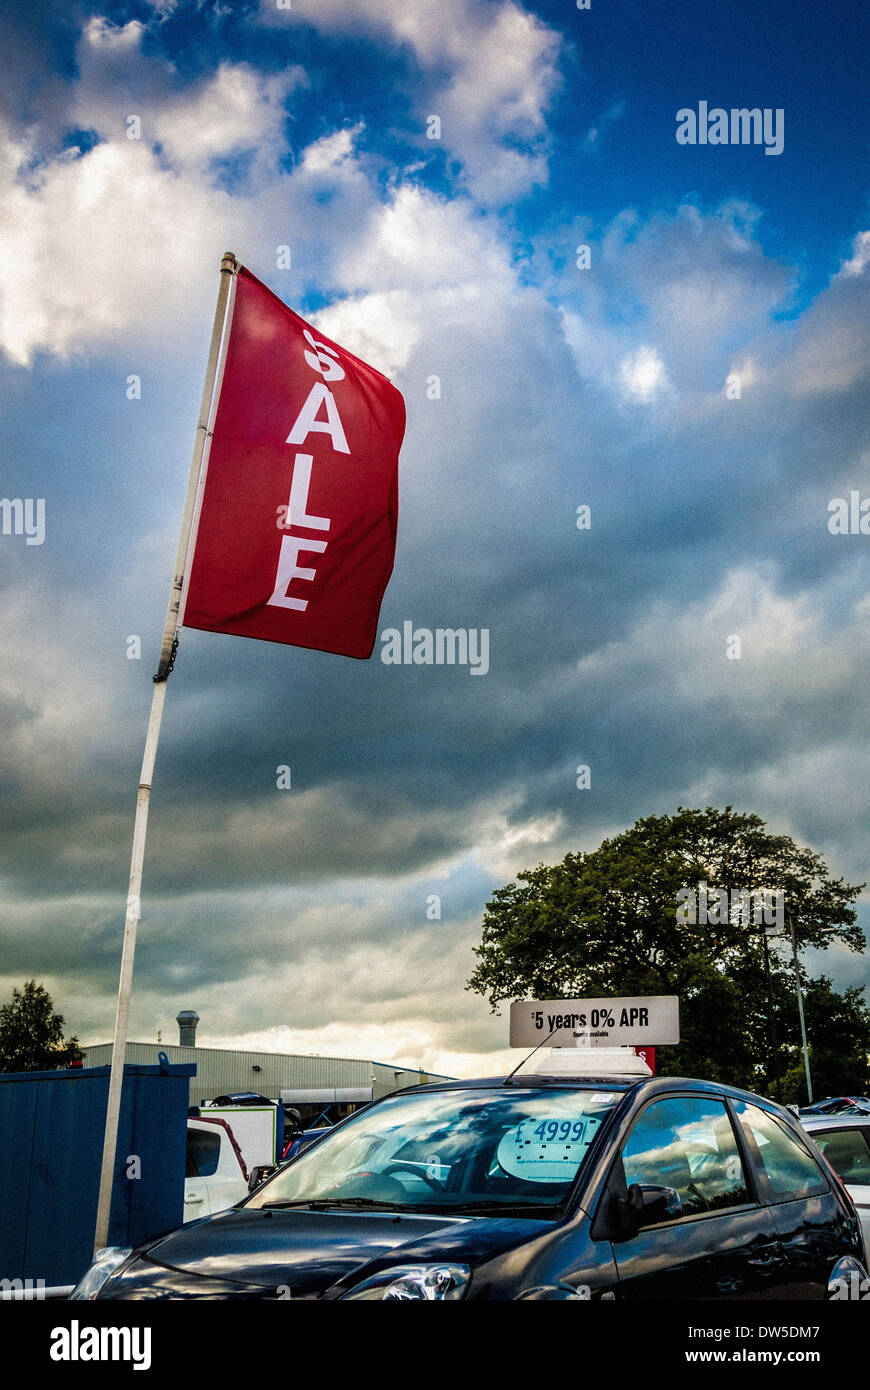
[(291, 511), (297, 529)]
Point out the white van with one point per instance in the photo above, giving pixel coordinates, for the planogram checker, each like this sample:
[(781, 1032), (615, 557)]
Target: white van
[(215, 1174)]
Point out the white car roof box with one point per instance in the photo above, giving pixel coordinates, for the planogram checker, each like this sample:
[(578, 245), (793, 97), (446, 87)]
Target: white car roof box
[(590, 1061)]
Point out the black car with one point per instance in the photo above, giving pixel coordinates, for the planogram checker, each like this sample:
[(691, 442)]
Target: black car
[(534, 1187), (838, 1105), (242, 1098)]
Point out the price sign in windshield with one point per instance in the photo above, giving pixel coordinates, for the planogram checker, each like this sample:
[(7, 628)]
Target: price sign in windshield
[(648, 1020), (546, 1150)]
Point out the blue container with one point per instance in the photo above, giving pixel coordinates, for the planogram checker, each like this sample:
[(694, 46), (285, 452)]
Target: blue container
[(51, 1144)]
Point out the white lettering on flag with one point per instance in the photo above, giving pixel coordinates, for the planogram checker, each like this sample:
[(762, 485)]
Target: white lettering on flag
[(323, 360), (307, 422), (289, 569), (297, 512), (329, 367)]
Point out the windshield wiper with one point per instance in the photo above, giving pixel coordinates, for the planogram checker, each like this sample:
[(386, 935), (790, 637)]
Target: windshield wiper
[(327, 1203), (490, 1208)]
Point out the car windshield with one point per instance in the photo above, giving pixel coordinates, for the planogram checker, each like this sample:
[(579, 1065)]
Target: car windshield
[(500, 1150)]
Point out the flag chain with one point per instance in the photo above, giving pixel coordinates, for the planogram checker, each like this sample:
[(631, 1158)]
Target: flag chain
[(165, 670)]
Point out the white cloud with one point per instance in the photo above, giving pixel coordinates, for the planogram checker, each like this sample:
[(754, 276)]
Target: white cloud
[(503, 845), (400, 1000), (235, 110), (643, 375), (103, 247), (703, 281), (500, 89), (501, 72), (58, 692), (102, 34), (418, 241), (795, 790), (107, 242), (330, 151), (860, 258), (785, 643), (832, 349), (674, 302), (122, 241), (419, 261), (414, 1043)]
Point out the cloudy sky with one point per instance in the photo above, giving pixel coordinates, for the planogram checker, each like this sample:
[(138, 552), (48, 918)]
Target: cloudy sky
[(297, 919)]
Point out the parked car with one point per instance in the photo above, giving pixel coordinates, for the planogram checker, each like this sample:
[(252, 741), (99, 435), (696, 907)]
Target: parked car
[(845, 1142), (301, 1140), (838, 1105), (215, 1174), (543, 1186), (242, 1098)]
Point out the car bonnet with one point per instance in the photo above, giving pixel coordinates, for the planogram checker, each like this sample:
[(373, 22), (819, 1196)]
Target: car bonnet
[(307, 1252)]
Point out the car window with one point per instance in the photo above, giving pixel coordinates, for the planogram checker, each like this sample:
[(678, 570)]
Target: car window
[(687, 1143), (791, 1171), (848, 1152), (495, 1149), (203, 1152)]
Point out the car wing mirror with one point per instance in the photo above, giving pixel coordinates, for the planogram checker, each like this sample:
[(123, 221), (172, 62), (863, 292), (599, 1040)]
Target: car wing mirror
[(649, 1203)]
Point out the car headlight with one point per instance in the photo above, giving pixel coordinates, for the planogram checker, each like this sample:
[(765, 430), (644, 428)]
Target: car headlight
[(105, 1263), (422, 1282)]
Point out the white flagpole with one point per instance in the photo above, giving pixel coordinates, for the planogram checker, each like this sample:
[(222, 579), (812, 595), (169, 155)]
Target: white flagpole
[(168, 648)]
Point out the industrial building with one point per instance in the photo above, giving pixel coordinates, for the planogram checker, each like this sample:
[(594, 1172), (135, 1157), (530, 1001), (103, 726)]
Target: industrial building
[(225, 1071)]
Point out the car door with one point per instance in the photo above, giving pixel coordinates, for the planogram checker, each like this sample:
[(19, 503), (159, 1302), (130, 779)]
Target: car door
[(815, 1228), (721, 1240), (227, 1183), (201, 1160)]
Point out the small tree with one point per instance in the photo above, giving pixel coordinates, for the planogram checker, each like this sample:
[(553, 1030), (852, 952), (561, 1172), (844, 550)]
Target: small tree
[(31, 1033)]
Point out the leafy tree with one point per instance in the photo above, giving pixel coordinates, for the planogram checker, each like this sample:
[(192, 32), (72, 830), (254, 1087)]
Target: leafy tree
[(31, 1033), (607, 923)]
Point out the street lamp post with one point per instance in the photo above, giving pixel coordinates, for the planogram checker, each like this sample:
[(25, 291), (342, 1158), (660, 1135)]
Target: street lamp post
[(800, 998), (774, 1043)]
